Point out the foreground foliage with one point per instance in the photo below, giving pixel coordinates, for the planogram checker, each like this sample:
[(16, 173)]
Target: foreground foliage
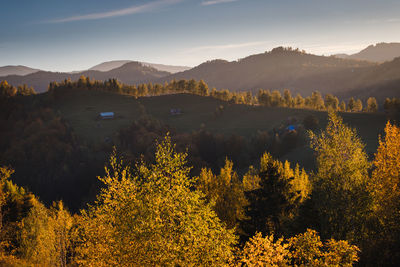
[(152, 217)]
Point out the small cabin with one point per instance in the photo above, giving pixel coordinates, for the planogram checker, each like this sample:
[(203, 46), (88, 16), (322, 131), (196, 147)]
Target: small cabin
[(175, 111), (106, 115)]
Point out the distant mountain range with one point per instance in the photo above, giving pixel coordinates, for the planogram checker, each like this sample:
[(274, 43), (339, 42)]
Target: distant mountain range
[(376, 53), (301, 73), (107, 66), (277, 69), (129, 73), (16, 70)]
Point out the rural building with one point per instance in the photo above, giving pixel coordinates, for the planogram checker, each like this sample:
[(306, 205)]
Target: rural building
[(106, 115), (175, 111)]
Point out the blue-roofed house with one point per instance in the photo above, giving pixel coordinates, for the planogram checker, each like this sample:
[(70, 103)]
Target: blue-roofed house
[(106, 115)]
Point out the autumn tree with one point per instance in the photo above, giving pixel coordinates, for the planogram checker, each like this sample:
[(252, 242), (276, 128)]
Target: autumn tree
[(358, 106), (226, 193), (340, 194), (342, 106), (305, 249), (152, 217), (317, 102), (351, 105), (384, 185), (331, 102), (372, 105)]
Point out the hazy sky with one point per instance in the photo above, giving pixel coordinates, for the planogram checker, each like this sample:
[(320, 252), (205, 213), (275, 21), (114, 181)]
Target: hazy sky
[(77, 34)]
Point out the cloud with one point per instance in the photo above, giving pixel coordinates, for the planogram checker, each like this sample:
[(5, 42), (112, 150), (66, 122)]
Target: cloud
[(216, 2), (119, 12)]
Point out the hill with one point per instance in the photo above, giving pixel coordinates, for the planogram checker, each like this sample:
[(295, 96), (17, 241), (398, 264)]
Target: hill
[(16, 70), (80, 109), (109, 65), (380, 52), (300, 72), (278, 69), (130, 73)]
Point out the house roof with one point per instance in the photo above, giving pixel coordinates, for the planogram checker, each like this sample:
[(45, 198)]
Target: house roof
[(106, 114)]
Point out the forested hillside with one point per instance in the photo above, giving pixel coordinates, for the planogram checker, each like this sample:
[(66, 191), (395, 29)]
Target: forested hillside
[(191, 170)]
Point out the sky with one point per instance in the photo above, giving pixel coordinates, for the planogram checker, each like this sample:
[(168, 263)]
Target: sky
[(59, 35)]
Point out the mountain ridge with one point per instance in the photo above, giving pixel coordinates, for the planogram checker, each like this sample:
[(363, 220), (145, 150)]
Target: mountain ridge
[(380, 52)]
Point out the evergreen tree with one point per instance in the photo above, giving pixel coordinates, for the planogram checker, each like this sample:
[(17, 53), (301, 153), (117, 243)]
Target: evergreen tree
[(272, 203)]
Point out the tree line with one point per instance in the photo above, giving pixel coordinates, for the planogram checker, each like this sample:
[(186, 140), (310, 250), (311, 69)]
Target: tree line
[(263, 97), (275, 214)]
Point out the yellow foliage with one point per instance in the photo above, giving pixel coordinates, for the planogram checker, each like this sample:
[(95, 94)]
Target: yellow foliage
[(385, 180)]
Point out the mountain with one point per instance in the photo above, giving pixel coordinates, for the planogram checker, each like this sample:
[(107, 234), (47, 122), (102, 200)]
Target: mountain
[(381, 82), (167, 68), (129, 73), (278, 69), (109, 65), (16, 70), (380, 52)]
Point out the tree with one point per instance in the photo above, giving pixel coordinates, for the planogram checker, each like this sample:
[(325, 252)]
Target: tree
[(152, 217), (372, 105), (276, 99), (274, 202), (226, 192), (331, 102), (305, 249), (358, 106), (287, 96), (259, 251), (384, 185), (299, 101), (340, 194), (342, 106), (38, 237), (317, 102), (203, 88), (351, 105)]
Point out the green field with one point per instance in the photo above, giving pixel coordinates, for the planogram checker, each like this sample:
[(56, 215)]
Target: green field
[(80, 108)]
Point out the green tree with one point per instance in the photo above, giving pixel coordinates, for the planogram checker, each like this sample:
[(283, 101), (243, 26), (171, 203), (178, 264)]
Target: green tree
[(274, 202), (340, 194)]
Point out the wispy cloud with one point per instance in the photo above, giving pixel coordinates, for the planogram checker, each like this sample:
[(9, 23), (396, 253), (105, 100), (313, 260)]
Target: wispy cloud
[(148, 7), (215, 2)]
